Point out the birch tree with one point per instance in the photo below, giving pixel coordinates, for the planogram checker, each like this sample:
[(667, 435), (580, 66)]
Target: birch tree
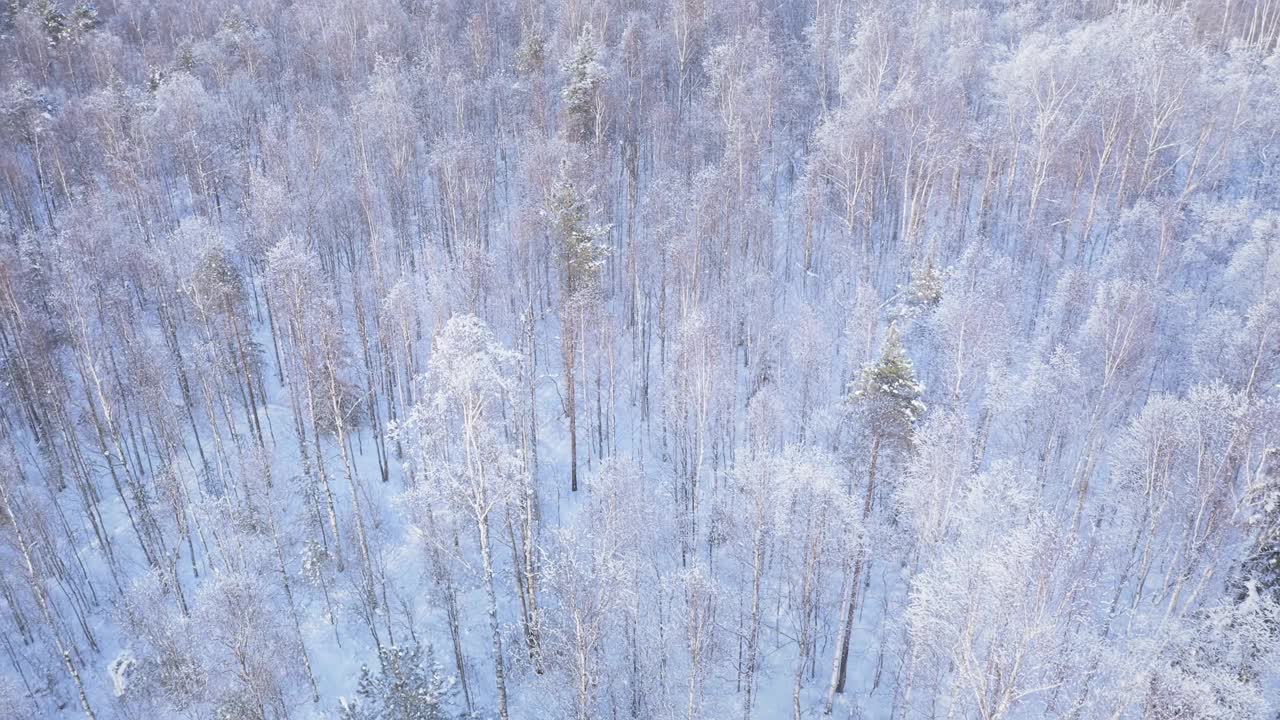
[(463, 448)]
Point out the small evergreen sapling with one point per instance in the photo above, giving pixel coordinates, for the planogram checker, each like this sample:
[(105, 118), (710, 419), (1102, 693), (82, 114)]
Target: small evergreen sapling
[(409, 685)]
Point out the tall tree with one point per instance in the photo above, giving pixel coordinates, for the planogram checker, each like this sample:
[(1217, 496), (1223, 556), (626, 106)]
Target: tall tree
[(883, 407), (460, 439), (581, 259)]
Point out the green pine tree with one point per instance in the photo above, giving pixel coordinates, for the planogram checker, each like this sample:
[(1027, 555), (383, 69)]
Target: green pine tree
[(582, 256), (409, 685), (926, 287), (585, 75), (889, 391), (883, 407), (580, 240)]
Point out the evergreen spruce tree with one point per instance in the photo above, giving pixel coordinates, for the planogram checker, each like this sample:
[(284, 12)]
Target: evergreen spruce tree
[(926, 287), (888, 395), (584, 77), (55, 22), (583, 251), (582, 255), (409, 685)]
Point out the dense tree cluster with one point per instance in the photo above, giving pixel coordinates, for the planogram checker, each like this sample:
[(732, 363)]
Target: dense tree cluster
[(639, 359)]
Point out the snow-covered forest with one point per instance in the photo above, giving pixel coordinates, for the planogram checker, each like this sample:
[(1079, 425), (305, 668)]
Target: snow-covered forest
[(639, 359)]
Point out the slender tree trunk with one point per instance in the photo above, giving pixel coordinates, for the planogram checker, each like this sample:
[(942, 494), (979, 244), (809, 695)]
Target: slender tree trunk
[(42, 600), (840, 666), (753, 631), (499, 667)]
